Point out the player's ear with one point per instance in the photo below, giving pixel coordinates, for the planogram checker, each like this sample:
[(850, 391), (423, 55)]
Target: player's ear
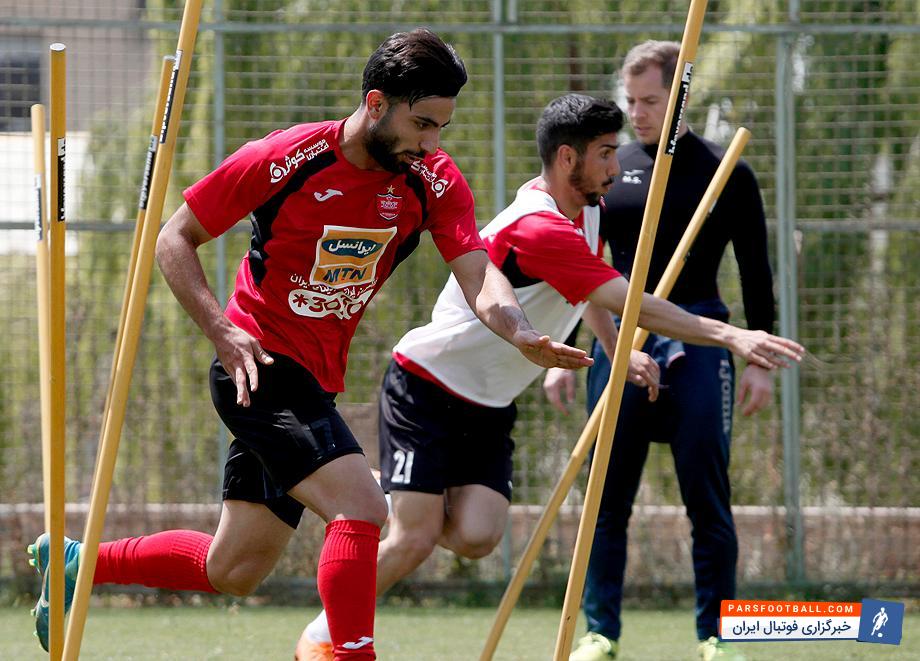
[(566, 158), (376, 102)]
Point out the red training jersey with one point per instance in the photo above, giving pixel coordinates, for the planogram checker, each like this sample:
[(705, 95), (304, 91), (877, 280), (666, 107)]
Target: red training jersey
[(325, 236), (543, 245)]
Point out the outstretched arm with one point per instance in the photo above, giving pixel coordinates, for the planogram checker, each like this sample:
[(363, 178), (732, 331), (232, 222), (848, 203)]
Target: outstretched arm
[(177, 256), (492, 299), (660, 316)]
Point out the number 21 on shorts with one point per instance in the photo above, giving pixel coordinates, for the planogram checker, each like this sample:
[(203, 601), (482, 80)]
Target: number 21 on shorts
[(402, 469)]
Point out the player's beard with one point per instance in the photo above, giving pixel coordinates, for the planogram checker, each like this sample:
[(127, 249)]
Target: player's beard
[(577, 181), (380, 143)]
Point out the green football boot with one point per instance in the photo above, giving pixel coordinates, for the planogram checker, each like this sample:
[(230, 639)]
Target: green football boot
[(713, 648), (594, 647), (40, 551)]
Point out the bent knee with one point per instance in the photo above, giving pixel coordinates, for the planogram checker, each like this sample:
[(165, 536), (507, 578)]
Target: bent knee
[(236, 580), (475, 551), (236, 586), (475, 544), (379, 511), (372, 509)]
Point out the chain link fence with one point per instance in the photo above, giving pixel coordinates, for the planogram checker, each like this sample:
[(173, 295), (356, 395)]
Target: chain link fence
[(829, 88)]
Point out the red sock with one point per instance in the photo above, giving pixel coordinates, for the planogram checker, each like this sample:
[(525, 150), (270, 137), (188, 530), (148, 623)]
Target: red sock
[(174, 559), (347, 585)]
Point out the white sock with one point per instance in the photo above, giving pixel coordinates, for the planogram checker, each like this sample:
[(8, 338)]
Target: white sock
[(376, 474), (318, 629)]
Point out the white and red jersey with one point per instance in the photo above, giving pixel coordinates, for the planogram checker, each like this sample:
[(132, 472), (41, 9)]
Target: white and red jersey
[(553, 264), (326, 235)]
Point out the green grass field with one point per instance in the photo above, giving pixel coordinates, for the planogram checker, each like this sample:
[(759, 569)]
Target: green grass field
[(404, 634)]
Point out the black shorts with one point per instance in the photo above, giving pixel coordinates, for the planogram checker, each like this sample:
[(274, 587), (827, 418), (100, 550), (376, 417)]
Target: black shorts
[(290, 429), (431, 440)]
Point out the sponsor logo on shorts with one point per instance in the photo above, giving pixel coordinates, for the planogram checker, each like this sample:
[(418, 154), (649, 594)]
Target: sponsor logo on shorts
[(343, 274), (293, 161)]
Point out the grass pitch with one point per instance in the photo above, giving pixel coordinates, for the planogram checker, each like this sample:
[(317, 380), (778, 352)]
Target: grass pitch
[(403, 634)]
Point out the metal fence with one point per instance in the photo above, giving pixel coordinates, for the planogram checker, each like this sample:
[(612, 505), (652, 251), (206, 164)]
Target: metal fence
[(828, 88)]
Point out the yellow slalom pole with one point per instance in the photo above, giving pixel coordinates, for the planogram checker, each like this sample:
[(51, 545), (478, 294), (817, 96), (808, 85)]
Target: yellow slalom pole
[(666, 146), (114, 419), (43, 290), (163, 91), (589, 434), (58, 348)]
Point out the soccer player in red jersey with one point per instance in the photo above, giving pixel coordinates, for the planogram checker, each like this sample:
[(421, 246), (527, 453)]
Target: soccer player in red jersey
[(335, 206)]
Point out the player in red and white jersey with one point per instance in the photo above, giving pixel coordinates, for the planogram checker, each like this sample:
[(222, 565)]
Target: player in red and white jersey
[(335, 206), (531, 236), (447, 403)]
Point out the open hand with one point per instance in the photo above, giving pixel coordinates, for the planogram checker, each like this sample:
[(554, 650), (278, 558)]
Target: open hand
[(643, 371), (540, 349), (238, 352), (755, 386), (767, 351), (559, 386)]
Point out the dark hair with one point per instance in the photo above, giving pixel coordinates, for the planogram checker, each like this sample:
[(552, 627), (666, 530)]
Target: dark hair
[(575, 120), (409, 66), (662, 54)]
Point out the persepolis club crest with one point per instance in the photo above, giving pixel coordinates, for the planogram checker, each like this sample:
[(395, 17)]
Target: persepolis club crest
[(388, 204)]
